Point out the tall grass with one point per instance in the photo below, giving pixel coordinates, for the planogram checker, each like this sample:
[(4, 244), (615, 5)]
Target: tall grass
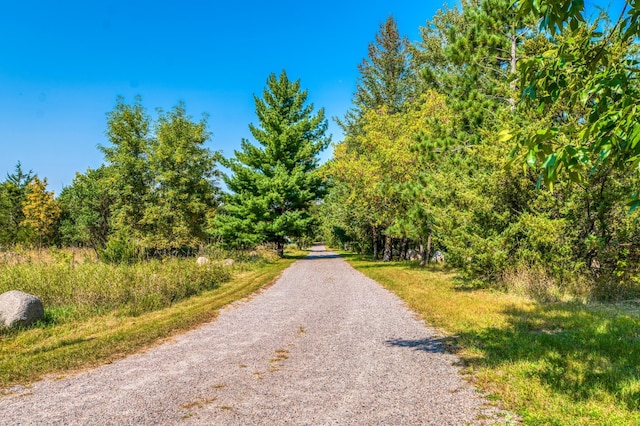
[(552, 363), (94, 288)]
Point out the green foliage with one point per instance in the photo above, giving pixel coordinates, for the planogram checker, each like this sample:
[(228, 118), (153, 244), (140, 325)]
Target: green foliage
[(86, 209), (120, 248), (129, 177), (13, 192), (588, 69), (273, 186), (183, 193), (447, 181)]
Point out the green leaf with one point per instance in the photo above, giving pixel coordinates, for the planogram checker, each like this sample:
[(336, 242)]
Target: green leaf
[(532, 159), (550, 161)]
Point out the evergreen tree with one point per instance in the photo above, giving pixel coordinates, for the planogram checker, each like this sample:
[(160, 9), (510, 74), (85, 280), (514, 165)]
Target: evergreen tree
[(13, 193), (386, 76), (471, 55), (274, 184)]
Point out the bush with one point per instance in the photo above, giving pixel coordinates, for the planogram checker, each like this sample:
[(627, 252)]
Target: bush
[(119, 248)]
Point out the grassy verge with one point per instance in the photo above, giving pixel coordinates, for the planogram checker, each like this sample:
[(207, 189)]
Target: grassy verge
[(551, 363), (67, 342)]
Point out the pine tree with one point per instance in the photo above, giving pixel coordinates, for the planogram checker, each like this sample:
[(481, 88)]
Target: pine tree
[(273, 185), (12, 196), (471, 55), (386, 76)]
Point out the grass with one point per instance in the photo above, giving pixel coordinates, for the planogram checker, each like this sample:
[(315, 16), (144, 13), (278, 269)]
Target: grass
[(557, 363), (79, 332)]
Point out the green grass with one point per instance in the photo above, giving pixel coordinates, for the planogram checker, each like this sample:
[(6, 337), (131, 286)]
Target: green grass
[(75, 335), (565, 364)]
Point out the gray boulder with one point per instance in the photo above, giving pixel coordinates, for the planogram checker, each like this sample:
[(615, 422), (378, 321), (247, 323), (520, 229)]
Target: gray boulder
[(228, 262), (438, 257), (19, 309)]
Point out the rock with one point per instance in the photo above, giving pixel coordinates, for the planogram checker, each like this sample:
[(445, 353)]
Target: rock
[(438, 257), (201, 261), (19, 309), (228, 262), (413, 255)]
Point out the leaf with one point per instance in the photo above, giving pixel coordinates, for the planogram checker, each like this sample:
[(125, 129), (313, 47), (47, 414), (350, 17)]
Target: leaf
[(504, 135), (532, 159), (550, 161)]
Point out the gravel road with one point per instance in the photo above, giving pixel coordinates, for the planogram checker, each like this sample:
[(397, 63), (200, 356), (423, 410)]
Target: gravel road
[(324, 345)]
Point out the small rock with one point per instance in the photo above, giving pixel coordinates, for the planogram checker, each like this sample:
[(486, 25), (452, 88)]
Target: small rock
[(201, 261), (228, 262), (19, 309), (438, 257)]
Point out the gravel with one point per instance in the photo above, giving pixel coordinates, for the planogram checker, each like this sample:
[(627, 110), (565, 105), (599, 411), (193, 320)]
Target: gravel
[(324, 345)]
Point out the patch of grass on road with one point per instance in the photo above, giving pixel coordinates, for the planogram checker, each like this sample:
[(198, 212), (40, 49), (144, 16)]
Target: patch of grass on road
[(567, 364), (62, 344)]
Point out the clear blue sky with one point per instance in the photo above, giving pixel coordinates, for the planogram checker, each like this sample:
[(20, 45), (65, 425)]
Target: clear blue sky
[(62, 64)]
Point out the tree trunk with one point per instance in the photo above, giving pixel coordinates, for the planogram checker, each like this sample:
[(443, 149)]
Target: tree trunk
[(428, 252), (513, 70), (403, 248), (374, 233), (386, 257), (280, 247), (423, 253)]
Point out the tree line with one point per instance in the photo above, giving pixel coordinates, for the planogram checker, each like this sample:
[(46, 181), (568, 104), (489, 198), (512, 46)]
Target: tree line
[(506, 141), (158, 191)]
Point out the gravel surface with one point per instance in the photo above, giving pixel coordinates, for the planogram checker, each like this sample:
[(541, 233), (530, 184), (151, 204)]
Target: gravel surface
[(324, 345)]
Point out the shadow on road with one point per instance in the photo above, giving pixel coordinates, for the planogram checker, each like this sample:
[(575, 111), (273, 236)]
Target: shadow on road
[(315, 256), (431, 345)]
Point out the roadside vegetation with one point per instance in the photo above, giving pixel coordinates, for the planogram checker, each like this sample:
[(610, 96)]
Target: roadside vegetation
[(551, 363), (96, 313), (507, 143)]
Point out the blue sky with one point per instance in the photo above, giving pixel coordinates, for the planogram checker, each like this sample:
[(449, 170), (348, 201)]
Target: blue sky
[(63, 63)]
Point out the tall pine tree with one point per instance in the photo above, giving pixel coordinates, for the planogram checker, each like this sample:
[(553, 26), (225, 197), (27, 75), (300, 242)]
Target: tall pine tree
[(274, 184), (386, 76)]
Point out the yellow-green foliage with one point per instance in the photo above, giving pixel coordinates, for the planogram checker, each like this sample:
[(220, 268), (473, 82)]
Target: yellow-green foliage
[(564, 364), (40, 209)]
